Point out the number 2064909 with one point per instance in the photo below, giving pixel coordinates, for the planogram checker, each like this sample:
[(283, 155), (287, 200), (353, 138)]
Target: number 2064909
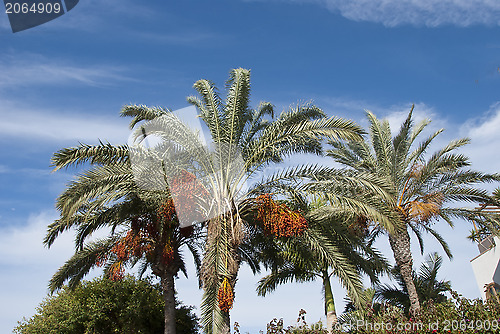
[(32, 8)]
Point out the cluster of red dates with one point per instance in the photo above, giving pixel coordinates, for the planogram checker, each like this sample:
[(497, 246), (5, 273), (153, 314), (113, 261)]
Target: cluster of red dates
[(278, 219)]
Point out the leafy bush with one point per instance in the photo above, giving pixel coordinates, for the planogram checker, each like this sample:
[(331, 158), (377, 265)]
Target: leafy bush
[(456, 314), (104, 306)]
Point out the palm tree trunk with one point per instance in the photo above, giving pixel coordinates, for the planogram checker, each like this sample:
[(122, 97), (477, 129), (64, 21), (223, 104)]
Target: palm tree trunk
[(226, 329), (233, 272), (400, 245), (331, 315), (223, 239), (167, 284)]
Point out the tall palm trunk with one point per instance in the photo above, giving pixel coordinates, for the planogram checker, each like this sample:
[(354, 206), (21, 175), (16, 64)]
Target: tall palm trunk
[(221, 260), (226, 324), (226, 328), (331, 315), (400, 245), (167, 284), (233, 273)]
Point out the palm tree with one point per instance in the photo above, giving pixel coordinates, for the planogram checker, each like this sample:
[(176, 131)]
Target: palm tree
[(420, 191), (332, 246), (244, 141), (426, 282), (143, 225)]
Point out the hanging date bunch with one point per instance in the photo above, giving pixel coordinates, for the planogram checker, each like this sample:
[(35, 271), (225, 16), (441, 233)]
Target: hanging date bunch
[(146, 226), (360, 226), (186, 190), (278, 219), (166, 213), (116, 271), (133, 244), (225, 296), (168, 253)]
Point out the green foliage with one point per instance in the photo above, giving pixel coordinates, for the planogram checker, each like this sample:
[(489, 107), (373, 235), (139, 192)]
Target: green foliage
[(455, 315), (103, 306)]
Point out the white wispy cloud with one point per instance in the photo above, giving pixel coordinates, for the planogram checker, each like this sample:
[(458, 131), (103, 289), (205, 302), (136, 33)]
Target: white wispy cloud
[(27, 266), (23, 244), (26, 123), (96, 15), (395, 114), (430, 13), (31, 69), (485, 140)]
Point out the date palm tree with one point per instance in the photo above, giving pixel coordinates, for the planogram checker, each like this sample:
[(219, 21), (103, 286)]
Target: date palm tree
[(421, 190), (143, 226), (243, 142)]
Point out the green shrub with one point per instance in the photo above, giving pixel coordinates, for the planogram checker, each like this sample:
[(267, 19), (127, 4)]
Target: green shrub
[(455, 315), (103, 306)]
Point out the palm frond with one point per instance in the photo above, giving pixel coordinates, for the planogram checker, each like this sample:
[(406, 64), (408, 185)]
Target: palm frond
[(237, 110), (102, 154), (210, 107), (281, 276), (81, 263), (142, 113)]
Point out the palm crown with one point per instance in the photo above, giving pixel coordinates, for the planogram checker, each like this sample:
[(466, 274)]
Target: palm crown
[(421, 191), (143, 224)]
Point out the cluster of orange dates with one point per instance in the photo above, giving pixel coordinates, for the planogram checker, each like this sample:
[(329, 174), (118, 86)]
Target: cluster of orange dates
[(138, 241), (225, 296), (185, 189), (146, 232), (167, 211), (132, 244), (116, 271), (278, 219)]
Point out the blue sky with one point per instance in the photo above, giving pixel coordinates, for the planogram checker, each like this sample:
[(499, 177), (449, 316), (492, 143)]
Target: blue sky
[(64, 82)]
